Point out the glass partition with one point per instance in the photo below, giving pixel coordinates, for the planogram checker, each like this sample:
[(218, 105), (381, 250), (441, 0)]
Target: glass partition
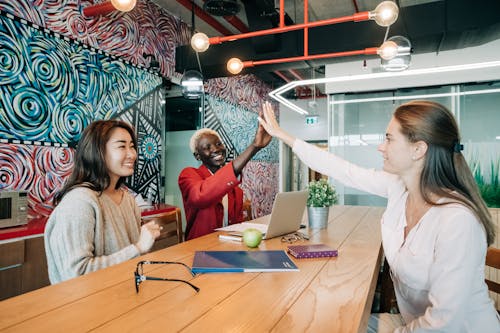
[(358, 123)]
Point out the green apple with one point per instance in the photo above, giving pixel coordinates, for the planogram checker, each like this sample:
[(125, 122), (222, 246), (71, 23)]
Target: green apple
[(252, 237)]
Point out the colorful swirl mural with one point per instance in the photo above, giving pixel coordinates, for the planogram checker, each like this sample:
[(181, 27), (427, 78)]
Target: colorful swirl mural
[(51, 88), (148, 29), (239, 126), (40, 170), (246, 91), (147, 117), (260, 186), (242, 126), (61, 70)]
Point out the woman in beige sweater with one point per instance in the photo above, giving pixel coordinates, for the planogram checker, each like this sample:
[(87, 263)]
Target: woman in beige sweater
[(96, 223)]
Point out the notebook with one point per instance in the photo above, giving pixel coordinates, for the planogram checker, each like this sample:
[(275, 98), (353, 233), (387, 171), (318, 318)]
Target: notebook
[(286, 216), (242, 261), (312, 251)]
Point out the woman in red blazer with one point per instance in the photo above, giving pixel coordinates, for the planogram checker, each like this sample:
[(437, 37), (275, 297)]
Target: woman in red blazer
[(204, 189)]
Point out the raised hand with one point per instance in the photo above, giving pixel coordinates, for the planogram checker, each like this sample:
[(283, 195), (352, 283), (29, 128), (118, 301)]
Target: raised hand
[(271, 125), (262, 138)]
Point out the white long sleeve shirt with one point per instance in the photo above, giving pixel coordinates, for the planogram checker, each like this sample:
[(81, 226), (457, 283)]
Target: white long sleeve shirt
[(438, 271)]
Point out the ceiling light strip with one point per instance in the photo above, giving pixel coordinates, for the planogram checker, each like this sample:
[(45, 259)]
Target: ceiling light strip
[(277, 93), (397, 98)]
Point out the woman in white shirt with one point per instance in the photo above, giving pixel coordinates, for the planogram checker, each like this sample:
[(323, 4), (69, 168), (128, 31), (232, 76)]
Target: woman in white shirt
[(436, 227)]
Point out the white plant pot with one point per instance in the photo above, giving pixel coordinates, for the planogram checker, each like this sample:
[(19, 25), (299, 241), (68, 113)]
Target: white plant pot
[(318, 217)]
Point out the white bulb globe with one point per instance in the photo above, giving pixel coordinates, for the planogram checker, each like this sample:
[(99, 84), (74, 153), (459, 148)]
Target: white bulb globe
[(385, 14), (124, 5), (388, 50), (234, 65), (200, 42)]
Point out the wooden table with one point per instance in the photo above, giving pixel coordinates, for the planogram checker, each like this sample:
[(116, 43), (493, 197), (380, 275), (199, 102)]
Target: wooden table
[(326, 295)]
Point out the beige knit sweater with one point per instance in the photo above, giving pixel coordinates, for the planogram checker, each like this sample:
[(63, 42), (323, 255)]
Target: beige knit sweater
[(88, 231)]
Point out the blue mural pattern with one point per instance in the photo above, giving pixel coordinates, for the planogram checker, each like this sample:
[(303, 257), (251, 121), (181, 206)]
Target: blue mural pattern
[(147, 117), (242, 126), (50, 89), (260, 176)]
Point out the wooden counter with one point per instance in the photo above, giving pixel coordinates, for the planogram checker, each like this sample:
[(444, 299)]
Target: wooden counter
[(326, 295)]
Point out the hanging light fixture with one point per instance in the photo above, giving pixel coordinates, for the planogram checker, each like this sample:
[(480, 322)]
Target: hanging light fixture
[(388, 50), (385, 14), (402, 59), (107, 7), (192, 84)]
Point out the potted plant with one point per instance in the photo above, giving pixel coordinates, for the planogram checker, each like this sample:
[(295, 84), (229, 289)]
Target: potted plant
[(321, 196)]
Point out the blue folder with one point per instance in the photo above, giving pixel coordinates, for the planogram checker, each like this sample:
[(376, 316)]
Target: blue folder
[(242, 261)]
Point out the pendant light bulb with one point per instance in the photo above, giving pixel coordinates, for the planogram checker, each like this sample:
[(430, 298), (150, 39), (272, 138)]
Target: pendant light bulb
[(388, 50), (234, 65), (200, 42), (385, 14), (124, 5)]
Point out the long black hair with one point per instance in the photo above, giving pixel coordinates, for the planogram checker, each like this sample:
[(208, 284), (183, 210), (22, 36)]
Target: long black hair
[(90, 168)]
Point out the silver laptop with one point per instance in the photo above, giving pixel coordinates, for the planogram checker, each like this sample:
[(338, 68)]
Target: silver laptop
[(286, 216)]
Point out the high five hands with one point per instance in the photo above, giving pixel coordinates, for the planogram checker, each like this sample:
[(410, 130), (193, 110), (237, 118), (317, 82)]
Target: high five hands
[(271, 125), (262, 137)]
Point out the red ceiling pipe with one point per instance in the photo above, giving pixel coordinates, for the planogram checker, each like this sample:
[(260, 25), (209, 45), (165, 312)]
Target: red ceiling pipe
[(282, 76), (205, 17), (99, 9), (299, 91), (296, 74), (306, 29), (237, 23), (282, 13), (367, 51), (358, 17)]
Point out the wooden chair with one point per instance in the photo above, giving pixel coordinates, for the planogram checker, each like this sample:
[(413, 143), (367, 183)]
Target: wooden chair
[(247, 210), (493, 260), (171, 223)]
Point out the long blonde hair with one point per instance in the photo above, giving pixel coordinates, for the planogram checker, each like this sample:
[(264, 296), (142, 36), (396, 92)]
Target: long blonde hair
[(445, 171)]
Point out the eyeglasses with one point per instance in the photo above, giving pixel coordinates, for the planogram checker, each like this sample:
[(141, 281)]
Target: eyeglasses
[(139, 276), (292, 238)]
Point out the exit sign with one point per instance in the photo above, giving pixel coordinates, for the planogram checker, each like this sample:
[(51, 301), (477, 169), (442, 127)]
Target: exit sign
[(311, 120)]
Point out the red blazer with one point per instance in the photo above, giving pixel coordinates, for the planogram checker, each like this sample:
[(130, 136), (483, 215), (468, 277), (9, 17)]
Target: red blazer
[(202, 195)]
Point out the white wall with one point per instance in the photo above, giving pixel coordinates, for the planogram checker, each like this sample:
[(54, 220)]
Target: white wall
[(295, 123), (177, 157)]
